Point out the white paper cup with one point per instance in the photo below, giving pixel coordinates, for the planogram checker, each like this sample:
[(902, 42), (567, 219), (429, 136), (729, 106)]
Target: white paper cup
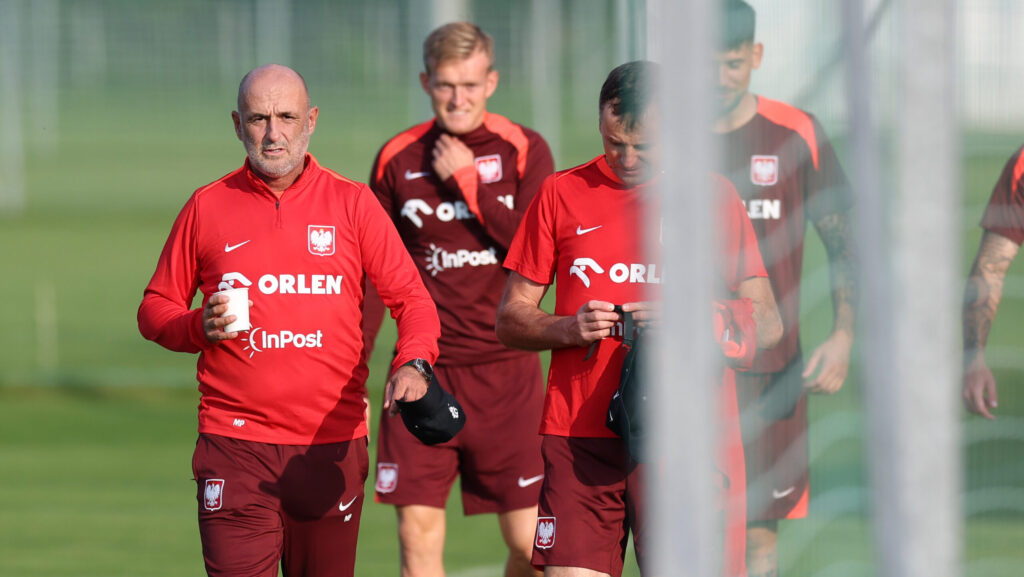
[(238, 306)]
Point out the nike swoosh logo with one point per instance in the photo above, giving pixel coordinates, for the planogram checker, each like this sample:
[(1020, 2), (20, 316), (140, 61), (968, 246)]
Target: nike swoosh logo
[(229, 248), (781, 494), (344, 506), (527, 482), (410, 175), (580, 230)]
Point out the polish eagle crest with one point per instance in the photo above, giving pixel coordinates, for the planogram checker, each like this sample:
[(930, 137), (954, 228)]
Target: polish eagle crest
[(213, 494), (387, 477), (321, 240), (764, 170), (545, 532)]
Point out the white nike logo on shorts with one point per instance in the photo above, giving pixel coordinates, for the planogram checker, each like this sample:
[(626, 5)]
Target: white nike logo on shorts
[(781, 494), (229, 248), (527, 482), (344, 506), (410, 175), (581, 231)]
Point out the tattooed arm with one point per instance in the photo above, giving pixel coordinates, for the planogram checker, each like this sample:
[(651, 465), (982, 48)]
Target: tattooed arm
[(981, 300), (831, 360)]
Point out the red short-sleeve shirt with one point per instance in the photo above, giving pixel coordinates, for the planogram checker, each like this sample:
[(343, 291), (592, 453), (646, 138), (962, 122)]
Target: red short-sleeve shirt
[(585, 231)]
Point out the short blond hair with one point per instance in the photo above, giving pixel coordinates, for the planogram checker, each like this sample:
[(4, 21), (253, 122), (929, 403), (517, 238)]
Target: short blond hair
[(456, 41)]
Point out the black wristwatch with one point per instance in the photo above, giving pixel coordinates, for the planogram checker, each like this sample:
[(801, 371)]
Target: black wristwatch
[(423, 367)]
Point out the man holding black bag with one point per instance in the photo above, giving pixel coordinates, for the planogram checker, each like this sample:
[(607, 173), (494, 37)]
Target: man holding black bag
[(586, 224)]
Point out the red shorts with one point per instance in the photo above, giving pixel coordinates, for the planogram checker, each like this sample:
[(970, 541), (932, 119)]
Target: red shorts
[(773, 416), (592, 497), (261, 504), (497, 453)]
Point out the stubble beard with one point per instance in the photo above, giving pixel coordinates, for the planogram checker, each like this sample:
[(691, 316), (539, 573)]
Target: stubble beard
[(296, 155)]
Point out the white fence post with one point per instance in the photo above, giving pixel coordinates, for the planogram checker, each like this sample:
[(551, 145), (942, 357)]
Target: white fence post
[(682, 504), (911, 306)]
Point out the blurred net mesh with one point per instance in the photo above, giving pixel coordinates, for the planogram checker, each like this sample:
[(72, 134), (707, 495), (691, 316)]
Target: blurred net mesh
[(120, 109)]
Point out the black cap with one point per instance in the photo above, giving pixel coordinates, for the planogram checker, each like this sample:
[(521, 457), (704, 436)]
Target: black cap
[(434, 418)]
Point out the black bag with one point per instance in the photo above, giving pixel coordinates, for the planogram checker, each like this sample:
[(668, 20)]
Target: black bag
[(629, 403)]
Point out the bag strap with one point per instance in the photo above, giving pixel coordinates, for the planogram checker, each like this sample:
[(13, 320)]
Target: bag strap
[(630, 332)]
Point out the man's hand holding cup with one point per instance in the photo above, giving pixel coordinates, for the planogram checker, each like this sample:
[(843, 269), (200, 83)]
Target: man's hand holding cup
[(226, 314)]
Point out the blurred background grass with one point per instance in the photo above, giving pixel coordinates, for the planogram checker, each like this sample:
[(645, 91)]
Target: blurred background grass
[(124, 109)]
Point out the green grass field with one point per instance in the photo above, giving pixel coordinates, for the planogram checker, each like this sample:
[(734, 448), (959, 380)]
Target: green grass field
[(97, 425)]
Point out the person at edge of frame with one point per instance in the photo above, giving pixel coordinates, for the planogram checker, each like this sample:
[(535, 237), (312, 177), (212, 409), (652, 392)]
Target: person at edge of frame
[(1003, 225)]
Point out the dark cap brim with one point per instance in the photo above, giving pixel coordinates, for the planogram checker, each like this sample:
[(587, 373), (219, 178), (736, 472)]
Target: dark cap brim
[(434, 418)]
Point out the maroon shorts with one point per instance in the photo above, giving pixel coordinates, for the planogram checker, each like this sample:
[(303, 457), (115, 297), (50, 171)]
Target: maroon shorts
[(497, 453), (592, 497), (773, 417), (260, 504)]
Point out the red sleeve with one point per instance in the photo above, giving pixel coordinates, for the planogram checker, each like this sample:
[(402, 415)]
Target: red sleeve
[(498, 221), (533, 252), (164, 315), (373, 306), (390, 268), (382, 183), (373, 317), (1004, 214), (741, 257), (827, 191)]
